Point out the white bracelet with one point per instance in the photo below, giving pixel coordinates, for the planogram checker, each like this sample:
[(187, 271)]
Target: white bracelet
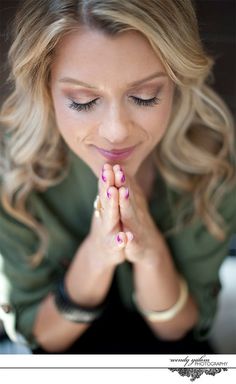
[(169, 313)]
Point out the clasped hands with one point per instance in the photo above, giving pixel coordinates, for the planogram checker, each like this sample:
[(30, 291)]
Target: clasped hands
[(125, 228)]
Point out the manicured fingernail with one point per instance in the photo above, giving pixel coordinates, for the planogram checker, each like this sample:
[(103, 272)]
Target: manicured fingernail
[(119, 240), (104, 177), (108, 193), (122, 178), (130, 236), (126, 193)]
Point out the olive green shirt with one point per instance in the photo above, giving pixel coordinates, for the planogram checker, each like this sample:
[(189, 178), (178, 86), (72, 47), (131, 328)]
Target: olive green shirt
[(66, 210)]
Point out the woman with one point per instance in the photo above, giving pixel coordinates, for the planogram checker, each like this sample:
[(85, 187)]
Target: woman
[(110, 100)]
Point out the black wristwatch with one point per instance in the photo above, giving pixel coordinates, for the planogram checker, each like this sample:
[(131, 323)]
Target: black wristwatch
[(71, 310)]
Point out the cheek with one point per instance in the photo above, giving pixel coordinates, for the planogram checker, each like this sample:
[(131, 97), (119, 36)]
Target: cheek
[(62, 116), (163, 116), (67, 123), (157, 123)]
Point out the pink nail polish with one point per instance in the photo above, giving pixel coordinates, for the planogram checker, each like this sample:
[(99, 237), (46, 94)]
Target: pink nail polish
[(127, 193), (104, 178), (122, 178), (108, 194), (118, 239)]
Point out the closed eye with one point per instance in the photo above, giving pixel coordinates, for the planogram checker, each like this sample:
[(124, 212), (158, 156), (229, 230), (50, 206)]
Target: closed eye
[(145, 102), (83, 106), (91, 104)]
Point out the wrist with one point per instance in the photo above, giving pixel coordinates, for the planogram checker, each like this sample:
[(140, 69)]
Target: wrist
[(148, 261), (154, 256), (73, 311), (88, 288), (172, 311), (87, 280)]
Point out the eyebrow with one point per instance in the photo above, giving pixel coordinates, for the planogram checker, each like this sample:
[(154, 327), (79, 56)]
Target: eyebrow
[(135, 83)]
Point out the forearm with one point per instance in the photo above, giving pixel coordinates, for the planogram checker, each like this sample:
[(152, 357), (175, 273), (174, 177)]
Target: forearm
[(52, 331), (157, 287), (87, 285)]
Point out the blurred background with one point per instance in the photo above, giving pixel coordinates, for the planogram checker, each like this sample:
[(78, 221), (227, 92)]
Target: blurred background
[(217, 24)]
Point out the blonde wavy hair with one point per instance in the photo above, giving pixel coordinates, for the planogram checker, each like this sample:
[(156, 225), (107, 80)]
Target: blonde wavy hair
[(197, 154)]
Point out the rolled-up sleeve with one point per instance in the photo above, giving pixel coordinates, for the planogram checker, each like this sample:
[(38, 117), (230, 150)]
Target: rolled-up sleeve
[(22, 286), (199, 256)]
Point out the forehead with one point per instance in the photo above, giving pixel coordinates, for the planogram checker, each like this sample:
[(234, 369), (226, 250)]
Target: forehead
[(92, 55)]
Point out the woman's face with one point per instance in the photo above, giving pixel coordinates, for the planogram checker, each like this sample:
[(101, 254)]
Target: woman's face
[(112, 97)]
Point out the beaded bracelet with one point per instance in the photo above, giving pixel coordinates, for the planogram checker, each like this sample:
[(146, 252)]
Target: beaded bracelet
[(73, 311)]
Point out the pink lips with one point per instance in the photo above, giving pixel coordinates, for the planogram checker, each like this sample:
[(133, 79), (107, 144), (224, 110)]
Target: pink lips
[(116, 154)]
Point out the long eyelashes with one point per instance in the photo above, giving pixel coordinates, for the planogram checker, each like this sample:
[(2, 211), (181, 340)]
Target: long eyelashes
[(146, 102), (83, 107), (88, 106)]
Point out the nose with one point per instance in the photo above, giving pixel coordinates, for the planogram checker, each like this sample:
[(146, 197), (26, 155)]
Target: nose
[(115, 125)]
